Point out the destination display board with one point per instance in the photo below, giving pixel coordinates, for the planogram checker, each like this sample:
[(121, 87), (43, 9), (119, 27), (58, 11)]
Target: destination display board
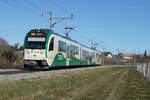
[(36, 39)]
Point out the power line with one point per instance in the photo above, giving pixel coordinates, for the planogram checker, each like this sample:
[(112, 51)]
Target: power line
[(85, 33), (51, 5), (78, 30), (58, 20), (35, 6), (30, 11), (61, 1), (22, 8), (61, 7), (13, 5)]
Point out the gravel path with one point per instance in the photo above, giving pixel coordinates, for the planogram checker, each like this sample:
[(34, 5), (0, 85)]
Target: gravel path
[(9, 70), (43, 73)]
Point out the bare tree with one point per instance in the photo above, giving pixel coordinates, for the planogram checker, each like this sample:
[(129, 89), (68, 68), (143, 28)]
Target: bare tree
[(145, 55), (16, 46), (3, 42)]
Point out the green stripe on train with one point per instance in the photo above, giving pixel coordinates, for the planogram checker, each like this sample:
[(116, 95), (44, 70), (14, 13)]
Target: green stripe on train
[(74, 61), (91, 62), (59, 60), (84, 61), (50, 33)]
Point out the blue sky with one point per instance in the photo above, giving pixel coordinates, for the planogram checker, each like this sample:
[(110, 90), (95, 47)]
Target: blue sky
[(120, 24)]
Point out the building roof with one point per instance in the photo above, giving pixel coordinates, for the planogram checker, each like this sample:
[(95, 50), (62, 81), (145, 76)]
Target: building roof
[(107, 53), (125, 54)]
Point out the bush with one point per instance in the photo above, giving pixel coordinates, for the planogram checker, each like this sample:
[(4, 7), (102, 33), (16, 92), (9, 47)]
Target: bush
[(9, 57)]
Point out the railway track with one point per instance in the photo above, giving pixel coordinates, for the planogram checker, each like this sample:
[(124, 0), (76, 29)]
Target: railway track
[(17, 72), (27, 74)]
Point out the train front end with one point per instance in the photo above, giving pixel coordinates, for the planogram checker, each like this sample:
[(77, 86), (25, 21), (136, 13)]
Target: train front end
[(35, 48)]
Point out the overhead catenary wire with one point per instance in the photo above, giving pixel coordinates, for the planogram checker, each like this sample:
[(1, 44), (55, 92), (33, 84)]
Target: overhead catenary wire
[(35, 6), (22, 8), (51, 5), (31, 12), (61, 7), (52, 2), (83, 33), (17, 7), (77, 29), (39, 9)]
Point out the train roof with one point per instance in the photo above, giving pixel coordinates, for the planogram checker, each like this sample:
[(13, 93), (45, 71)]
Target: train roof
[(46, 32)]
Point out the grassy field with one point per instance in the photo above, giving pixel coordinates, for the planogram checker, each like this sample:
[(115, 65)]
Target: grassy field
[(120, 83)]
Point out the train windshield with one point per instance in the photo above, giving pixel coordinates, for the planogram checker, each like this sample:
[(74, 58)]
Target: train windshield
[(35, 43)]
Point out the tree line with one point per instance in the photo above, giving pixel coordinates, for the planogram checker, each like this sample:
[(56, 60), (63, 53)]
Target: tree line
[(10, 57)]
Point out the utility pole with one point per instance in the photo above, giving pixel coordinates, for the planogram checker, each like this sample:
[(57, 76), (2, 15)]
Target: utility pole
[(118, 57), (118, 50), (102, 46), (91, 43), (58, 20), (50, 19)]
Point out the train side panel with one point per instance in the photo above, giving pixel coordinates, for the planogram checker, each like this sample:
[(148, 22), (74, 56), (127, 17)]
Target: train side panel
[(74, 54)]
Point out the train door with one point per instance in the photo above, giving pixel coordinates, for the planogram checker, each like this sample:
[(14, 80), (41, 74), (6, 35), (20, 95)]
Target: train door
[(68, 55), (80, 55), (94, 57), (50, 51)]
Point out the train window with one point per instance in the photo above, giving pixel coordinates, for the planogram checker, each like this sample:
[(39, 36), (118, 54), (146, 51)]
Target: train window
[(74, 49), (77, 50), (92, 54), (51, 46), (97, 55), (62, 46), (85, 54), (82, 53), (71, 48)]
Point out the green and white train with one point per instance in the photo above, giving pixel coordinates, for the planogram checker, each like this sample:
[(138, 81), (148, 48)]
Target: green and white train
[(44, 49)]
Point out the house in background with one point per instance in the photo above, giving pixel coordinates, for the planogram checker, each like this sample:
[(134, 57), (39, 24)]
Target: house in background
[(126, 56), (108, 55)]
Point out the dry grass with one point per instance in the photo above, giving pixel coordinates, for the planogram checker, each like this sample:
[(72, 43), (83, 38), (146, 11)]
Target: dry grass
[(98, 84)]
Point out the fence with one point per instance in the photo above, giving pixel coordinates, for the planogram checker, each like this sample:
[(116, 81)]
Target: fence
[(143, 67)]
